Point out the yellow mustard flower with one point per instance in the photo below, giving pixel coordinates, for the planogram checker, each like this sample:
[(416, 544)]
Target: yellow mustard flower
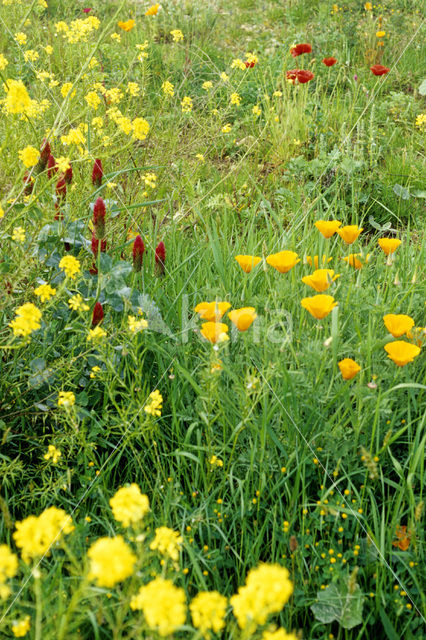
[(44, 292), (129, 506), (163, 606), (208, 610), (111, 561)]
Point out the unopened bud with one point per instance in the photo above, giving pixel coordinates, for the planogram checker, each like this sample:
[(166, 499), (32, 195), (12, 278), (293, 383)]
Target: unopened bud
[(99, 212), (138, 251), (98, 314), (160, 258), (97, 173)]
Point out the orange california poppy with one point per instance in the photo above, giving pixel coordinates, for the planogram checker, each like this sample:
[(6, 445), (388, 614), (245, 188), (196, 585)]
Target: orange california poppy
[(212, 311), (327, 227), (348, 368), (403, 538), (243, 318), (247, 263), (349, 233), (329, 62), (300, 75), (356, 260), (398, 324), (401, 352), (214, 331), (320, 279), (152, 11), (283, 261), (389, 245), (313, 261), (319, 306), (379, 70), (298, 49), (127, 26)]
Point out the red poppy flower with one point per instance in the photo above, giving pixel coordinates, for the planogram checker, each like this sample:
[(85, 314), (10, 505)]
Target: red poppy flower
[(379, 69), (329, 61), (298, 49), (300, 75), (250, 65)]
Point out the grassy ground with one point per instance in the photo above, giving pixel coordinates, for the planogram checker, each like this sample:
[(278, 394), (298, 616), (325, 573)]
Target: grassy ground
[(261, 451)]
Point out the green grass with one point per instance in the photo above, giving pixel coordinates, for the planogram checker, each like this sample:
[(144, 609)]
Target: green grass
[(318, 473)]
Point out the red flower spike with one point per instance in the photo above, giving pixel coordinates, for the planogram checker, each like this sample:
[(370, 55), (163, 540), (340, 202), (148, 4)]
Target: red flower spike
[(61, 189), (28, 182), (45, 152), (138, 251), (51, 167), (329, 62), (68, 175), (160, 258), (99, 212), (98, 314), (379, 70), (298, 49), (95, 245), (97, 173), (300, 75)]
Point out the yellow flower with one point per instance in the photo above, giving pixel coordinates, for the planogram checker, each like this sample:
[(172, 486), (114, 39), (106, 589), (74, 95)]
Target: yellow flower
[(398, 324), (52, 454), (66, 88), (17, 98), (18, 234), (235, 99), (70, 266), (314, 261), (214, 332), (136, 324), (21, 627), (186, 104), (129, 505), (266, 591), (319, 306), (29, 156), (27, 320), (1, 212), (20, 38), (208, 610), (256, 111), (348, 368), (167, 542), (163, 605), (66, 399), (368, 6), (243, 318), (321, 279), (279, 634), (389, 245), (353, 260), (420, 120), (8, 568), (96, 334), (224, 76), (3, 62), (207, 85), (350, 233), (327, 227), (237, 63), (127, 26), (283, 261), (140, 128), (168, 88), (247, 263), (177, 35), (44, 292), (417, 335), (111, 561), (76, 303), (226, 128), (152, 11), (402, 352), (92, 99), (48, 49), (133, 89), (380, 34), (155, 405), (212, 311), (36, 535)]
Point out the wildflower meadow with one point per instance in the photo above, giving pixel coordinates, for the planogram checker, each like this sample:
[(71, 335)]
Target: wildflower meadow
[(212, 320)]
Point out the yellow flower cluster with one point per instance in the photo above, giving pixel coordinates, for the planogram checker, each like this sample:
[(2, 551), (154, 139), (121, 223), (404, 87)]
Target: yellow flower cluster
[(163, 605), (70, 266), (52, 454), (78, 30), (21, 627), (111, 561), (154, 407), (137, 324), (129, 505), (44, 292), (266, 591), (66, 399), (208, 610), (36, 535), (167, 542), (8, 568), (29, 156), (27, 320)]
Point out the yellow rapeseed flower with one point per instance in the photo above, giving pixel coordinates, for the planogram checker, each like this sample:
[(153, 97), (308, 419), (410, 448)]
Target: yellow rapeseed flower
[(21, 627), (163, 606), (70, 266), (208, 610), (155, 404), (27, 320), (111, 561), (129, 506), (36, 535), (177, 35), (167, 542), (44, 292)]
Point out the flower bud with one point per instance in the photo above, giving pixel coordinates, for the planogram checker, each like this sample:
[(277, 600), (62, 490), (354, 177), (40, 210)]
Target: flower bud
[(61, 190), (99, 212), (68, 175), (160, 258), (97, 173), (45, 152), (51, 167), (138, 251), (98, 314), (95, 245)]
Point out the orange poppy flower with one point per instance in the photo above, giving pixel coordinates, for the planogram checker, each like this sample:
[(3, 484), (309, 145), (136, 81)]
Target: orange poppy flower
[(298, 49), (379, 70), (152, 11), (329, 62), (402, 538), (389, 245), (314, 261), (319, 306), (348, 368), (283, 261), (214, 332), (398, 324), (127, 26), (212, 311), (349, 233), (327, 227), (247, 263), (243, 318), (401, 352), (354, 261), (417, 335), (321, 279), (300, 75)]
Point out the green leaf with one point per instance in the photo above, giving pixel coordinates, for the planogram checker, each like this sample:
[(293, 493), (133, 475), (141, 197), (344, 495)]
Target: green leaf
[(388, 626), (422, 88), (337, 603)]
